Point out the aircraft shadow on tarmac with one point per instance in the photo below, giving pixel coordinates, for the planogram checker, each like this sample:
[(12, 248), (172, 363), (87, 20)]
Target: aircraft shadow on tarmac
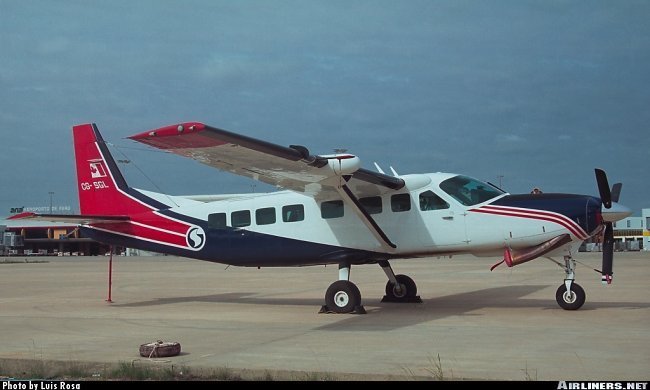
[(386, 316)]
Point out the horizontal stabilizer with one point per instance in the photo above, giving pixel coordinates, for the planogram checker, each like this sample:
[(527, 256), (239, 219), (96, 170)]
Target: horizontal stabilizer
[(70, 218)]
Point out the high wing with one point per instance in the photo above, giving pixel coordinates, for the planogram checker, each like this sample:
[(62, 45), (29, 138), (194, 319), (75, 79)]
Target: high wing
[(323, 177), (292, 167)]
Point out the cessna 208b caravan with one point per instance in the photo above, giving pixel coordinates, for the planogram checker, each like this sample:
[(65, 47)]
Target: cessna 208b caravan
[(331, 211)]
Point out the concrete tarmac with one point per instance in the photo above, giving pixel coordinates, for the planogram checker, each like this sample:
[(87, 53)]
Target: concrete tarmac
[(483, 325)]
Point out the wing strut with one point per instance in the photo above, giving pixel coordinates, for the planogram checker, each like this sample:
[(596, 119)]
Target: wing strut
[(353, 202)]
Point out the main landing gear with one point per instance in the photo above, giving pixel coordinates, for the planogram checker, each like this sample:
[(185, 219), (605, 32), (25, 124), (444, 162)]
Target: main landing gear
[(570, 296), (343, 296), (399, 288)]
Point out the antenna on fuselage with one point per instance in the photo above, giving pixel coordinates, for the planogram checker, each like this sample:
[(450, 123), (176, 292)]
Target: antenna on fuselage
[(379, 168)]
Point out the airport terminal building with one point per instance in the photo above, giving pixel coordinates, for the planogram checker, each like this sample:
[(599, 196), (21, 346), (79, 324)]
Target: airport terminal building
[(32, 238), (38, 238)]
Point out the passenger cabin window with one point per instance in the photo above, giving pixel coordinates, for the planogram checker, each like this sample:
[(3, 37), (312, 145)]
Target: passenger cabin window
[(331, 209), (240, 218), (293, 213), (400, 202), (430, 201), (371, 204), (217, 221), (469, 191), (265, 216)]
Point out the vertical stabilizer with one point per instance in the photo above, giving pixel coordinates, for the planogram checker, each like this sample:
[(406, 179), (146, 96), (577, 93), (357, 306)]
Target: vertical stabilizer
[(102, 188)]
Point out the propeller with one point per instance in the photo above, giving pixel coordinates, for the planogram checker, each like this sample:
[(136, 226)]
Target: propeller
[(607, 196), (603, 188), (608, 253), (616, 191)]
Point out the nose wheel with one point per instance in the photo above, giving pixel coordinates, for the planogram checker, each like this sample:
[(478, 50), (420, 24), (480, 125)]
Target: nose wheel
[(571, 299), (570, 296)]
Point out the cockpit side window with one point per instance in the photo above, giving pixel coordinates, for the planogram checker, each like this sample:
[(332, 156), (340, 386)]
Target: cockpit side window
[(400, 203), (469, 191), (430, 201)]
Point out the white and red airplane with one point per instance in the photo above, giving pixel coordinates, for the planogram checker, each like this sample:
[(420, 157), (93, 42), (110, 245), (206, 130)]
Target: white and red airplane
[(332, 211)]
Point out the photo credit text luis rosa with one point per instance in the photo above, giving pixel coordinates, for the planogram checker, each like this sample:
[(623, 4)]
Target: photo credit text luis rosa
[(40, 385)]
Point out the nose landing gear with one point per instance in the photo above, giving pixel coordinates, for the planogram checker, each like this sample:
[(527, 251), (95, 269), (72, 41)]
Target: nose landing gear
[(570, 296)]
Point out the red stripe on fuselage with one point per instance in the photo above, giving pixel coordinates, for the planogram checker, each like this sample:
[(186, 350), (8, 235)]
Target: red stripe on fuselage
[(142, 213), (560, 219), (162, 230)]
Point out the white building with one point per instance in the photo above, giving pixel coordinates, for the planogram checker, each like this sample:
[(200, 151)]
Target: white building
[(632, 233), (645, 216)]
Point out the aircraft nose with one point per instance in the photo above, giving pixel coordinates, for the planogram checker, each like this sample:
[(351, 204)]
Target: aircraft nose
[(615, 213)]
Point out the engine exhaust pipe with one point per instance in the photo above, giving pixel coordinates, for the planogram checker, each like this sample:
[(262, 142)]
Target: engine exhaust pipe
[(512, 257)]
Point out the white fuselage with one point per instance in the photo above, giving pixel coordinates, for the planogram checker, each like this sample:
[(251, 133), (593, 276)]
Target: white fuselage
[(416, 232)]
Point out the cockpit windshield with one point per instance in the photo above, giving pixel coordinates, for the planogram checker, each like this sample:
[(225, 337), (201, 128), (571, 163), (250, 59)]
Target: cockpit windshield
[(469, 191)]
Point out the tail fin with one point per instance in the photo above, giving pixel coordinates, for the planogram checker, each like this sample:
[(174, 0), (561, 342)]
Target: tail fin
[(102, 188)]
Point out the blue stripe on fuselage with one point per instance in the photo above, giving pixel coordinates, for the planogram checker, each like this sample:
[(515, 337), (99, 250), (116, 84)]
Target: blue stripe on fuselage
[(242, 247)]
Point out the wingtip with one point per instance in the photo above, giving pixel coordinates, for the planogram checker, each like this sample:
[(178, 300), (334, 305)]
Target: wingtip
[(166, 131)]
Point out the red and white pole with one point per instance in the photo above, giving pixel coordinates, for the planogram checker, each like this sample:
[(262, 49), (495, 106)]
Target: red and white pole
[(110, 275)]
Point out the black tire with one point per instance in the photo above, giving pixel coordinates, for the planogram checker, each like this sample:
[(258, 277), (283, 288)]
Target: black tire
[(342, 296), (409, 288), (574, 301), (160, 349)]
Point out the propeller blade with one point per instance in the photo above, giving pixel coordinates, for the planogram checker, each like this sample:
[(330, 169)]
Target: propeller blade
[(608, 253), (603, 188), (616, 191)]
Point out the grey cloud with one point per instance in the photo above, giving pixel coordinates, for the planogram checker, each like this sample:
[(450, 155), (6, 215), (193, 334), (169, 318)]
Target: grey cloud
[(540, 92)]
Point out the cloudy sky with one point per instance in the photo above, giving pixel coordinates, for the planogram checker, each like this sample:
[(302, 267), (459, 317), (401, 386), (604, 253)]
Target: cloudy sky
[(540, 92)]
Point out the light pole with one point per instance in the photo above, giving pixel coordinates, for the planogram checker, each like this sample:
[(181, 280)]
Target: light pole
[(51, 193)]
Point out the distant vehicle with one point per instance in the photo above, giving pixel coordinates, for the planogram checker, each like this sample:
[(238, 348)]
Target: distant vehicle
[(332, 211)]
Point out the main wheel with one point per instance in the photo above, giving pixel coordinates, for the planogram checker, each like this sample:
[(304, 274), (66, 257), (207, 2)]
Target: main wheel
[(573, 300), (404, 289), (342, 296)]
